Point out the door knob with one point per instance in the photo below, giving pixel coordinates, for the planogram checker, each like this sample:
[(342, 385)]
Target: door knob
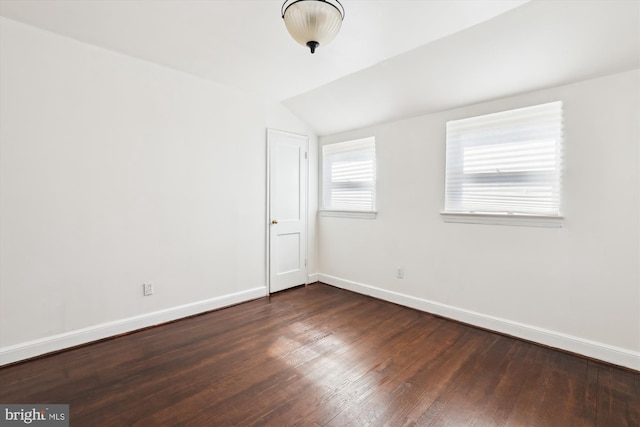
[(275, 221)]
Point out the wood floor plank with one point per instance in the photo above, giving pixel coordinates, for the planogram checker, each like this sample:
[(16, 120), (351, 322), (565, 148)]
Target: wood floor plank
[(344, 366), (616, 405), (475, 388), (557, 382), (513, 368), (322, 356)]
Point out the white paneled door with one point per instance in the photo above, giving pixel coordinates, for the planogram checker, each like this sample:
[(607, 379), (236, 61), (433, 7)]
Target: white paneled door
[(287, 165)]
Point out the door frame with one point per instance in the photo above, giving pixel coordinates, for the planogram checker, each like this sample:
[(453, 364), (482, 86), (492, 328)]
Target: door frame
[(268, 132)]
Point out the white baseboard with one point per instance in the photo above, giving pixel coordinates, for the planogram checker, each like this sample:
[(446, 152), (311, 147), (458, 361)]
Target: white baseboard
[(312, 278), (26, 350), (596, 350)]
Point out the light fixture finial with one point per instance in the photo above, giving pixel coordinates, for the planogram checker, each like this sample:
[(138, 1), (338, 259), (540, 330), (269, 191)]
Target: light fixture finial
[(312, 45)]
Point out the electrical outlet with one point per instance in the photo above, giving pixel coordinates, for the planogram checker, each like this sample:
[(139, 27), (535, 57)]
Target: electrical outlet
[(400, 272), (147, 289)]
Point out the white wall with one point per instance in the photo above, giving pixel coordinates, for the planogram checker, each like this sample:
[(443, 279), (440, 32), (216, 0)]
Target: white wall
[(577, 287), (117, 171)]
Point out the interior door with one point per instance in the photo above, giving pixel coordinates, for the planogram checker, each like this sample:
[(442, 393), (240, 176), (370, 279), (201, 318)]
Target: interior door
[(287, 170)]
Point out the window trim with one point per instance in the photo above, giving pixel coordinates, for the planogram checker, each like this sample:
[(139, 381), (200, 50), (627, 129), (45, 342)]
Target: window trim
[(553, 219), (523, 220), (346, 213)]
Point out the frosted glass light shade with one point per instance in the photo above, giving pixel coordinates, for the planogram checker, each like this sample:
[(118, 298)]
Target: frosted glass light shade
[(313, 22)]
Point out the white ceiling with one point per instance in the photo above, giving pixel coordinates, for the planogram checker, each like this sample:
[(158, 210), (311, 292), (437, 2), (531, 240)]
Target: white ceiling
[(244, 43), (538, 45), (392, 58)]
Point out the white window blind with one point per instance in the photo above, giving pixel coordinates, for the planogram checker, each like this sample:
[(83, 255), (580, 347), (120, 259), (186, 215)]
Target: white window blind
[(505, 163), (349, 175)]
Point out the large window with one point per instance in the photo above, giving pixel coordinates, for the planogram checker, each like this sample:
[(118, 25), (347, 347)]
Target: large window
[(349, 176), (507, 163)]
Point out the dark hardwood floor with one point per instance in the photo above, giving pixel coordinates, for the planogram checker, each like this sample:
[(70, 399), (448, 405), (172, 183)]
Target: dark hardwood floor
[(316, 356)]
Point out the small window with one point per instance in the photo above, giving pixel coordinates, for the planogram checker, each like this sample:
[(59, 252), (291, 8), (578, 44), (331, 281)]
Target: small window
[(507, 163), (349, 176)]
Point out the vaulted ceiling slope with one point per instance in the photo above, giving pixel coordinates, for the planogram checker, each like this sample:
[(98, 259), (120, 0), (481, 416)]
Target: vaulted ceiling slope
[(392, 58), (244, 43), (538, 45)]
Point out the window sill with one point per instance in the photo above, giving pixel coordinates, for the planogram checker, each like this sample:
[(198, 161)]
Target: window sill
[(350, 214), (504, 219)]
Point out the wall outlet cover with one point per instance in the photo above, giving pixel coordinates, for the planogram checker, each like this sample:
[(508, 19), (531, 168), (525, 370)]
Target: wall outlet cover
[(147, 289)]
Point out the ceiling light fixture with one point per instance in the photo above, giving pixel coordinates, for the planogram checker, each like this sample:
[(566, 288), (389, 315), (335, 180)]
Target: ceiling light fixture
[(312, 22)]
